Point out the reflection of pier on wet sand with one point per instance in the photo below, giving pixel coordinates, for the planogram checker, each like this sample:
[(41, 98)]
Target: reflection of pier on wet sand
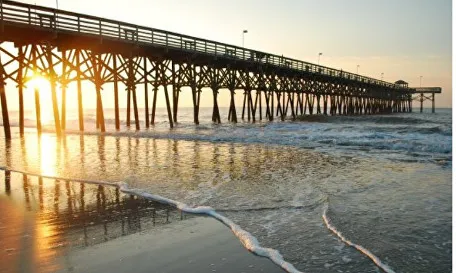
[(50, 225)]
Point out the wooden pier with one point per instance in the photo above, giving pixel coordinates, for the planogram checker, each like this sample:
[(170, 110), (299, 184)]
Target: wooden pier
[(66, 47)]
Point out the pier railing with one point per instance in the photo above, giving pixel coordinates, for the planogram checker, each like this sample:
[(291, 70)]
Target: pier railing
[(65, 21)]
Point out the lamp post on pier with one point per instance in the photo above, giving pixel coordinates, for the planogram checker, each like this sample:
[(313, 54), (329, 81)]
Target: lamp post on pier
[(319, 54), (382, 76), (357, 69), (421, 77), (243, 34)]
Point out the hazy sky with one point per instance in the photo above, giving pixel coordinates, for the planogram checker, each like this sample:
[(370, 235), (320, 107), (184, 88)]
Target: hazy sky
[(404, 39)]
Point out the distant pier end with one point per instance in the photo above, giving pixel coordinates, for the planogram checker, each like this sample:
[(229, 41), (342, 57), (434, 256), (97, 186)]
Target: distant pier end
[(426, 93), (420, 92)]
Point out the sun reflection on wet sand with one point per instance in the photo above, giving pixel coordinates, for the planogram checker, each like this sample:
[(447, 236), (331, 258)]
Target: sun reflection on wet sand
[(43, 219)]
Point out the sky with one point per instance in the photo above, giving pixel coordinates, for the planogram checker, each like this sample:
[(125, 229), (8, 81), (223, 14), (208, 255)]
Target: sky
[(402, 39)]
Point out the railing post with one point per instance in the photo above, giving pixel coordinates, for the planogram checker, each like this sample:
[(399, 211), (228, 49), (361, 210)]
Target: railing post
[(99, 27), (205, 46), (152, 36), (79, 24), (137, 34), (29, 15), (1, 15), (166, 39)]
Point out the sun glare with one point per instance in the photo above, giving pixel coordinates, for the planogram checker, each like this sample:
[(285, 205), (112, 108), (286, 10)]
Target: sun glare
[(42, 85), (38, 82)]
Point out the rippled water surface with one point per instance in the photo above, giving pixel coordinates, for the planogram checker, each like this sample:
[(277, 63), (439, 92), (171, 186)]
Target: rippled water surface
[(386, 180)]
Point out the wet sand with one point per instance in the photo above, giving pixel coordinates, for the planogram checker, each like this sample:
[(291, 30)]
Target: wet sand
[(49, 225), (199, 244)]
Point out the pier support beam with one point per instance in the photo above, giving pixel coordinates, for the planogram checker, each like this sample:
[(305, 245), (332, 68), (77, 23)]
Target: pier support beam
[(215, 110), (96, 62), (116, 92), (5, 116), (146, 94), (20, 86), (79, 87), (53, 80), (38, 110), (232, 116), (63, 85), (421, 102), (154, 105)]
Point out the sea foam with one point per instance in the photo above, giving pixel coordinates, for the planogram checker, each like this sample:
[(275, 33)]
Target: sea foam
[(360, 248)]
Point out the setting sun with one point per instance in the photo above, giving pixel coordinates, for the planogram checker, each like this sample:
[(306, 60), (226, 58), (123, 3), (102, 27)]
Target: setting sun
[(38, 82)]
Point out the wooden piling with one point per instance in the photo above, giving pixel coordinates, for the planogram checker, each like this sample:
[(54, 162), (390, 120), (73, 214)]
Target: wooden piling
[(215, 110), (168, 106), (131, 86), (96, 62), (146, 94), (52, 76), (20, 86), (154, 105), (135, 107), (243, 104), (176, 91), (63, 88), (128, 105), (232, 116), (38, 111), (79, 87), (116, 92), (421, 102), (6, 124)]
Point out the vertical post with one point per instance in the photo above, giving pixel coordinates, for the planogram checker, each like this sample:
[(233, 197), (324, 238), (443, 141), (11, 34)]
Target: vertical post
[(6, 124), (168, 106), (132, 90), (154, 102), (165, 87), (261, 108), (53, 90), (96, 61), (135, 107), (243, 104), (79, 87), (176, 90), (232, 113), (271, 113), (38, 110), (116, 91), (63, 84), (421, 102), (146, 93), (433, 102), (128, 106), (215, 111), (21, 90), (249, 103)]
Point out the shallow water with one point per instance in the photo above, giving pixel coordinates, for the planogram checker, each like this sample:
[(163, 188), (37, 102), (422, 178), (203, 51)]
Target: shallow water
[(385, 179)]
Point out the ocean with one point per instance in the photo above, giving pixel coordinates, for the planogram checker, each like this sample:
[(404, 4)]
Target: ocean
[(382, 183)]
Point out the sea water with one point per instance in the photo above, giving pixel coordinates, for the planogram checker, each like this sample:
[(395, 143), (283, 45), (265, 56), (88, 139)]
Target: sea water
[(318, 190)]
